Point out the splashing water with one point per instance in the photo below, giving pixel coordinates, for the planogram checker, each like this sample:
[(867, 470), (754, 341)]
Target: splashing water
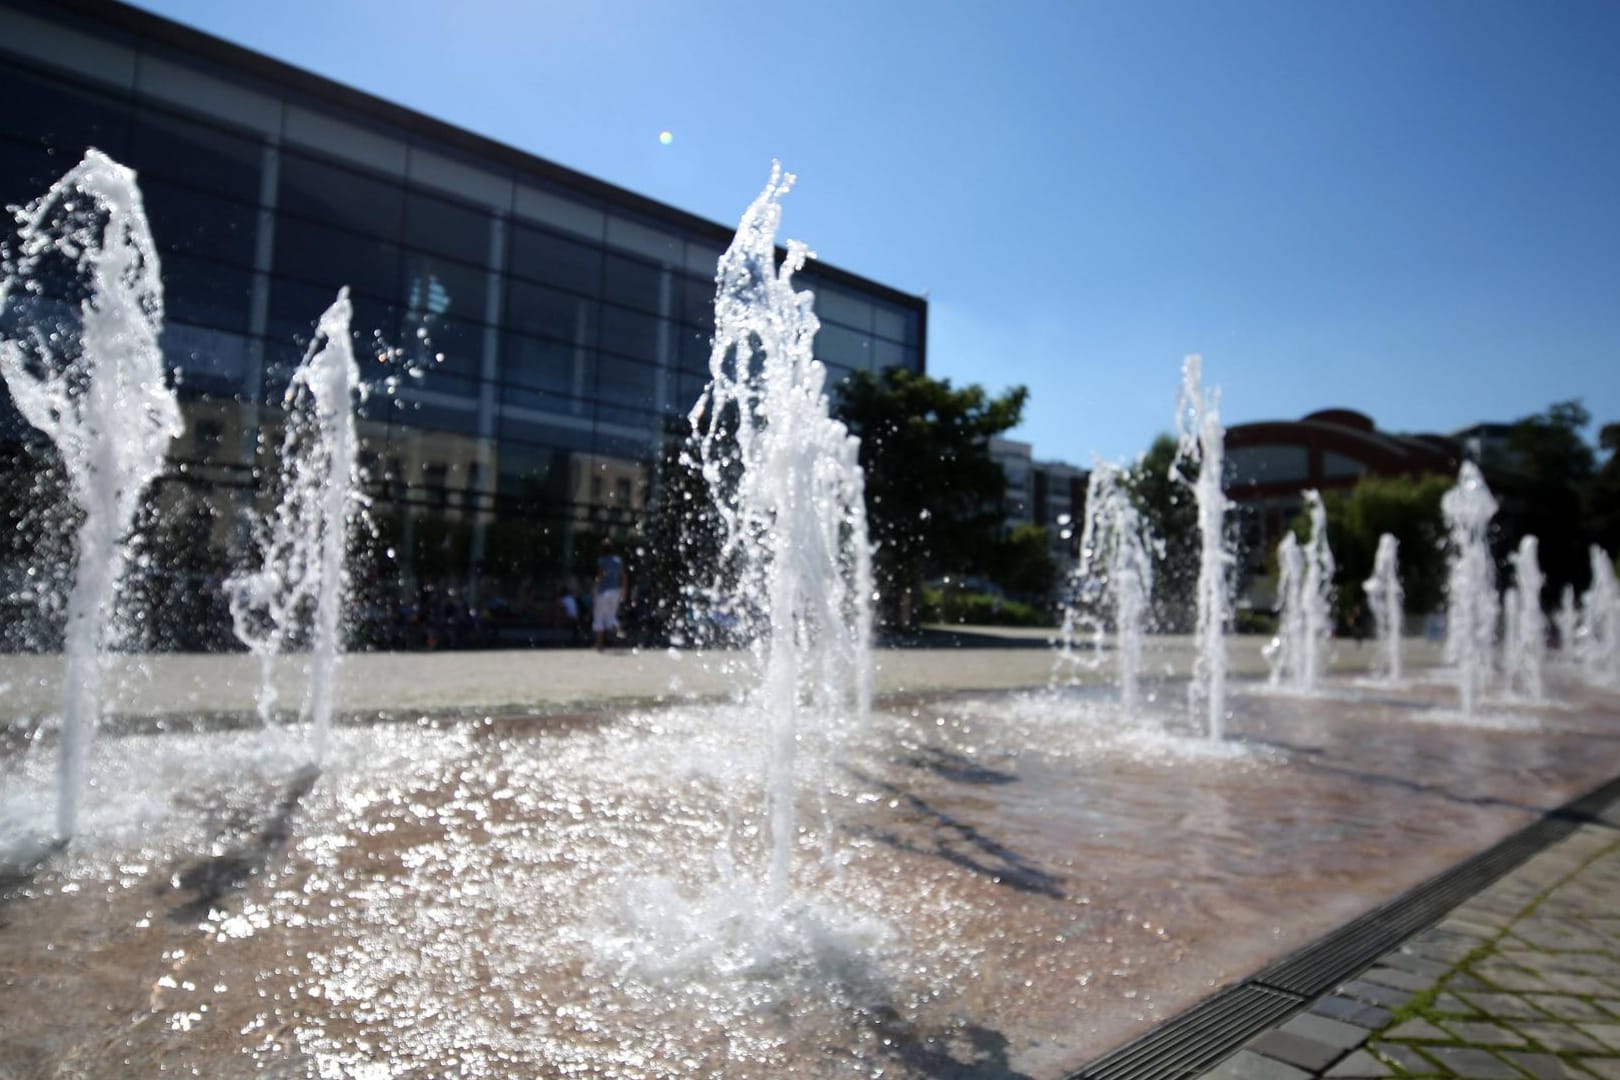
[(1284, 652), (1525, 646), (1387, 600), (302, 577), (1600, 607), (1471, 605), (1203, 443), (1115, 573), (795, 547), (1568, 621), (86, 370)]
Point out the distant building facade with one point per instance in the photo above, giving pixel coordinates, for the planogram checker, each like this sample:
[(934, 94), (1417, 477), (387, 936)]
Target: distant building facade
[(559, 326)]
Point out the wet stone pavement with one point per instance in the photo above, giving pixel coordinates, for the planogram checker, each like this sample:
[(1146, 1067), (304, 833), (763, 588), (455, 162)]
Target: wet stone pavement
[(1521, 981)]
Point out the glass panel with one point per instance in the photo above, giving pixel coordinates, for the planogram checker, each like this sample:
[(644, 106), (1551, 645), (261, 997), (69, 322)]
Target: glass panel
[(1266, 464), (191, 222), (554, 366), (437, 288), (887, 354), (837, 345), (543, 256), (45, 112), (632, 283), (335, 258), (648, 240), (461, 346), (625, 382), (206, 293), (339, 195), (833, 303), (631, 333), (694, 350), (26, 170), (198, 154), (210, 360), (542, 312), (447, 228), (696, 303)]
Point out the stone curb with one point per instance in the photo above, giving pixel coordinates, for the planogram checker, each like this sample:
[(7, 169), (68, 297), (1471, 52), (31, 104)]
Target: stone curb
[(1521, 981)]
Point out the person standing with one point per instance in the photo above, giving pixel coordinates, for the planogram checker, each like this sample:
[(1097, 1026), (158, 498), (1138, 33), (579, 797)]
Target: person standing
[(610, 585)]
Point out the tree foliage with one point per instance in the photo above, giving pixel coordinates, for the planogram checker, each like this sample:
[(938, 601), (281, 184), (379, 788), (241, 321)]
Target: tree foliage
[(1406, 507), (934, 495)]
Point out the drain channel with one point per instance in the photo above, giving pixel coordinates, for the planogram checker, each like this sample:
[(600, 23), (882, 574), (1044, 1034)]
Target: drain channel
[(1198, 1039)]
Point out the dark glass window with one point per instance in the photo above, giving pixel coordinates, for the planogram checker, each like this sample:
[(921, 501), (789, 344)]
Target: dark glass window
[(209, 361), (838, 345), (340, 195), (192, 223), (554, 260), (424, 414), (206, 293), (441, 288), (197, 154), (554, 366), (694, 352), (625, 382), (697, 303), (26, 170), (295, 307), (45, 112), (542, 312), (632, 283), (447, 228), (333, 257), (632, 333), (460, 344)]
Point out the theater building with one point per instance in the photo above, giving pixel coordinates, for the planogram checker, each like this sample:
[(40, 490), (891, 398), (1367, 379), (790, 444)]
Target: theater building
[(542, 330)]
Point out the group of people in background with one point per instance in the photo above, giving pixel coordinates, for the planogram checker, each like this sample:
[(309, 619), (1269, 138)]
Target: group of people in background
[(601, 605)]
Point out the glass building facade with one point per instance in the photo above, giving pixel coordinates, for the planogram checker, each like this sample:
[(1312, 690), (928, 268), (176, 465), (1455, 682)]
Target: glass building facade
[(533, 333)]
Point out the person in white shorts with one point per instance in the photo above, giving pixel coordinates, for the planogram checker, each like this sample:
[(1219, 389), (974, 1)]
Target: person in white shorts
[(610, 585)]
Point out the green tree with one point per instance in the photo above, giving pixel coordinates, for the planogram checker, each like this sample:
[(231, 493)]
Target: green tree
[(1541, 471), (1022, 563), (1406, 507), (933, 493), (1600, 495)]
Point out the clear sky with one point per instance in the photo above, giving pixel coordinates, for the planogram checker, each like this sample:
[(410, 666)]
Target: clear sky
[(1406, 207)]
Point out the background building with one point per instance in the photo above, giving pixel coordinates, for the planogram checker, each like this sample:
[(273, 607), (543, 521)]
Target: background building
[(544, 330)]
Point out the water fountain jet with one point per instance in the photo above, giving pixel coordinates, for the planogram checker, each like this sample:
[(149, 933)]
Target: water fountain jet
[(1202, 442), (1471, 604), (1387, 599), (87, 371)]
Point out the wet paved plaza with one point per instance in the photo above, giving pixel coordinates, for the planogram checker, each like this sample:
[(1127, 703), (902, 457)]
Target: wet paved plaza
[(1005, 882)]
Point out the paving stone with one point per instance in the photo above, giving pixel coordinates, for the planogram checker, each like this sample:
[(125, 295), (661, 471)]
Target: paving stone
[(1295, 1050), (1544, 1066), (1418, 1028), (1245, 1065), (1482, 1033), (1559, 1037), (1611, 1005), (1403, 1057), (1453, 1005), (1606, 1067), (1400, 980), (1468, 928), (1361, 1066), (1607, 1034), (1513, 980), (1565, 983), (1374, 994), (1465, 981), (1473, 1063), (1352, 1011), (1334, 1033), (1403, 960), (1568, 1008), (1506, 1006)]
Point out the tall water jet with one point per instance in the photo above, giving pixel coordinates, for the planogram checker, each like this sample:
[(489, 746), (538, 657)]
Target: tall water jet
[(1568, 622), (1286, 650), (302, 578), (1115, 574), (1202, 442), (1387, 600), (1305, 593), (791, 500), (83, 304), (1471, 605), (1525, 644), (1600, 608)]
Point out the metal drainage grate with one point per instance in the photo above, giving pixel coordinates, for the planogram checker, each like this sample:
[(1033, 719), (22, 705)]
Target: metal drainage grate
[(1207, 1033)]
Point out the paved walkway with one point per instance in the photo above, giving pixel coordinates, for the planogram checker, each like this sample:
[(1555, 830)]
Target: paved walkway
[(1522, 981)]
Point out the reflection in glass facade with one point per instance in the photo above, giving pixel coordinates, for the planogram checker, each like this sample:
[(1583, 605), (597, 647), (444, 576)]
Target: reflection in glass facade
[(542, 328)]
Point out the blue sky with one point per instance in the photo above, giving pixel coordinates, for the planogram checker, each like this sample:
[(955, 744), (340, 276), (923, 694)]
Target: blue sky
[(1407, 208)]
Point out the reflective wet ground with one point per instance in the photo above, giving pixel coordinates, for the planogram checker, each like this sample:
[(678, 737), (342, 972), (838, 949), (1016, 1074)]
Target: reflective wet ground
[(1008, 884)]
